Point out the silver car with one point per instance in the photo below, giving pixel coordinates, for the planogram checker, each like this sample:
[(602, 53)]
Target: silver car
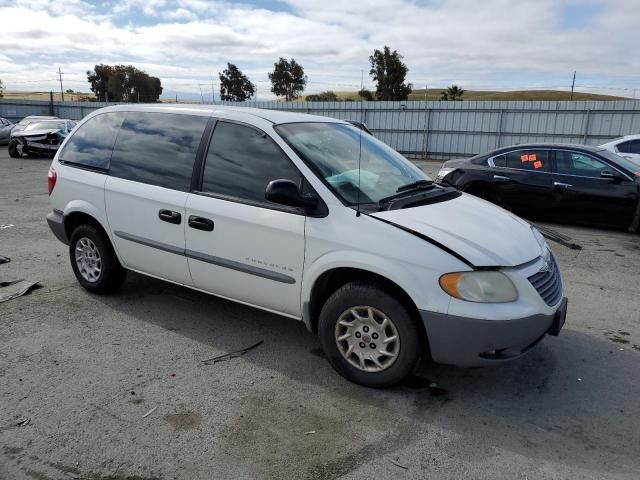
[(22, 124), (6, 126)]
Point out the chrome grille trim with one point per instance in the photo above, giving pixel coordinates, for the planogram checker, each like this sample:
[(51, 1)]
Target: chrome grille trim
[(548, 284)]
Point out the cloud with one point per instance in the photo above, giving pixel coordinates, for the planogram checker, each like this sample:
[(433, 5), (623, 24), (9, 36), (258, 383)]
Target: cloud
[(186, 42)]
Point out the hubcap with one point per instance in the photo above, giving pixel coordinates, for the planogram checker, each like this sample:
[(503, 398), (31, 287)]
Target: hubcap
[(367, 339), (88, 260)]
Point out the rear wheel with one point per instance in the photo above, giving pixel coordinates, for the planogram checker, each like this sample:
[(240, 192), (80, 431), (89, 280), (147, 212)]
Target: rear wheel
[(369, 336), (94, 261)]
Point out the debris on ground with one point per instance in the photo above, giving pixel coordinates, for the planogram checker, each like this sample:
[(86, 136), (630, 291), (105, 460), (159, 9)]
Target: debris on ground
[(22, 421), (579, 379), (558, 237), (4, 259), (229, 356), (149, 412), (15, 289), (398, 464), (310, 432), (6, 225)]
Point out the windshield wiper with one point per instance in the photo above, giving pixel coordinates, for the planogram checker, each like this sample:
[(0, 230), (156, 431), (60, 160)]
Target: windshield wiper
[(414, 185)]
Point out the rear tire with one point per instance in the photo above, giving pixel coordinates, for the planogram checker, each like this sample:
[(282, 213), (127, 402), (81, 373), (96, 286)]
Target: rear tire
[(13, 150), (93, 260), (353, 316)]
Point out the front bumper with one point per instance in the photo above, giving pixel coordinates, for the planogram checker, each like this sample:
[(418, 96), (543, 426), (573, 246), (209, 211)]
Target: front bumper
[(471, 342), (55, 220)]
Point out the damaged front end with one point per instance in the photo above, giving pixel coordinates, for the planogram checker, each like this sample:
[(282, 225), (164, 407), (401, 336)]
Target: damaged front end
[(41, 144)]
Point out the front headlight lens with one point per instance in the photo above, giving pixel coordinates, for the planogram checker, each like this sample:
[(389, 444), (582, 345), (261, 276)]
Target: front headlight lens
[(479, 286), (444, 172)]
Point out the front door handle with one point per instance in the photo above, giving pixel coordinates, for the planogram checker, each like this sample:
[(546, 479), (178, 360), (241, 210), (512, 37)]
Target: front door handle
[(201, 223), (170, 216), (562, 185), (501, 178)]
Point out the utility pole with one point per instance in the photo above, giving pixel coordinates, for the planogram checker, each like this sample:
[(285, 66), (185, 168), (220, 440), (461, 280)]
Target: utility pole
[(256, 86), (573, 83), (60, 77), (213, 94), (426, 87)]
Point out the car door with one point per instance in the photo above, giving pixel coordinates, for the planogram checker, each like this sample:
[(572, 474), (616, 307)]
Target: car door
[(239, 245), (521, 181), (147, 189), (589, 190), (5, 130)]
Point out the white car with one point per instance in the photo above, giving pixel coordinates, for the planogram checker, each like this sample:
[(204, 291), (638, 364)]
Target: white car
[(310, 218), (627, 147)]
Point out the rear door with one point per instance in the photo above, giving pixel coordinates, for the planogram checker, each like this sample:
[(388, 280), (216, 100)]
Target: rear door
[(146, 192), (630, 150), (583, 195), (521, 181), (238, 244)]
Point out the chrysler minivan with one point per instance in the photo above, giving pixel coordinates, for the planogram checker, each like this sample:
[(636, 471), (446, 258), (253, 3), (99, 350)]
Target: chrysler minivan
[(311, 218)]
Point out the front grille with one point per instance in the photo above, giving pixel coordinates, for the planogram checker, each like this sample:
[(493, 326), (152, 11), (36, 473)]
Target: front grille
[(547, 283)]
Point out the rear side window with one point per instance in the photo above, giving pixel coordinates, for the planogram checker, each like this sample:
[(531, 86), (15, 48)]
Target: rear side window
[(242, 161), (632, 146), (534, 160), (92, 143), (157, 148)]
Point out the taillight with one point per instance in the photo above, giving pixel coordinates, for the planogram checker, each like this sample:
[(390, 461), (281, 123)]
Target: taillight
[(52, 176)]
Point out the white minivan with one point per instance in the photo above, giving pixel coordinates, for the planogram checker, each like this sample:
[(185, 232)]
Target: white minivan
[(311, 218)]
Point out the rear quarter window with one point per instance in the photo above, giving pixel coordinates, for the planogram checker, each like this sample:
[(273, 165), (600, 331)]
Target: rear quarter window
[(91, 145), (158, 148)]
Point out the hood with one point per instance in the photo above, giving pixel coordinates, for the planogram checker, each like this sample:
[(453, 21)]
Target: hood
[(482, 233), (35, 133)]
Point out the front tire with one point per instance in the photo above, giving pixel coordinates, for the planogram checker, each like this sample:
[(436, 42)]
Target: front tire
[(13, 149), (368, 336), (93, 260)]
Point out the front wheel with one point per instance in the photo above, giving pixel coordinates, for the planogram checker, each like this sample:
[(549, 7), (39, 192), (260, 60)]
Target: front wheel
[(94, 261), (369, 336), (13, 147)]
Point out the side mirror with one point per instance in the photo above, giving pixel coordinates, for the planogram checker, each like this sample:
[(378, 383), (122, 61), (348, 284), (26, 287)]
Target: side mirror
[(611, 175), (286, 192)]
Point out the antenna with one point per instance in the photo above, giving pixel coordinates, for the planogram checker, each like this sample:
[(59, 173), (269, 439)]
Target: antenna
[(359, 161)]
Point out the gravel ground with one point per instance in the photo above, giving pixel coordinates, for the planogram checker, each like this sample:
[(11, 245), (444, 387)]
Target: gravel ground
[(85, 369)]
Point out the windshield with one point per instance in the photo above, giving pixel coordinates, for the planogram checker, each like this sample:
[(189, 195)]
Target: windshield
[(630, 165), (332, 151), (46, 126)]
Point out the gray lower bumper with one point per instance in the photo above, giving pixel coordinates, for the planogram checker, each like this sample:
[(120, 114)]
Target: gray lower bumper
[(471, 342), (55, 220)]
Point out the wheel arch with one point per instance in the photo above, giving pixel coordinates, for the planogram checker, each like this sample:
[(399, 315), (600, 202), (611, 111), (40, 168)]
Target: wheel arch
[(332, 279)]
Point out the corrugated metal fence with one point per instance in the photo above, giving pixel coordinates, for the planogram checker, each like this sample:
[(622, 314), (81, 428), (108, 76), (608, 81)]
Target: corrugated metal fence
[(434, 129)]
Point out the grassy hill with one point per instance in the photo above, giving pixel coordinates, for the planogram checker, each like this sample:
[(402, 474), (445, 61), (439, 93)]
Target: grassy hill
[(554, 95)]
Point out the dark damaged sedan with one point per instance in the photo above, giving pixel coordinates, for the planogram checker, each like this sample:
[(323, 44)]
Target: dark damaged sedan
[(41, 138), (562, 183)]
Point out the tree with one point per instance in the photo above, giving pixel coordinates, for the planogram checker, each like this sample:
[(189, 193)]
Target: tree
[(68, 90), (234, 85), (365, 95), (327, 96), (2, 87), (389, 72), (124, 83), (287, 79), (453, 92)]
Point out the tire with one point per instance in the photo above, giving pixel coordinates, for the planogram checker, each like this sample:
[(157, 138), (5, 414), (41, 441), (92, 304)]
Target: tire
[(13, 151), (372, 304), (90, 251)]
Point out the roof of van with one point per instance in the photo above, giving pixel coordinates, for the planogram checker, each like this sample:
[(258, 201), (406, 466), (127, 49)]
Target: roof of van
[(273, 116)]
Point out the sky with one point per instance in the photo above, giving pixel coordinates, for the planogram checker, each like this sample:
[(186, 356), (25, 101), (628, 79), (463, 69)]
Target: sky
[(477, 44)]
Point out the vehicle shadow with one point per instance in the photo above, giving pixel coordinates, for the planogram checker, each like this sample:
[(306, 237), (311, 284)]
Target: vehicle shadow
[(561, 403)]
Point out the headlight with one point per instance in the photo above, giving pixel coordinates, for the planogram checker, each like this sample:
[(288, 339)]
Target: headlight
[(480, 286), (444, 171)]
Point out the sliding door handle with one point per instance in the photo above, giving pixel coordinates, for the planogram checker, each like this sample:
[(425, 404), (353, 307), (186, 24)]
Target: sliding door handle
[(170, 216), (201, 223), (562, 185)]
